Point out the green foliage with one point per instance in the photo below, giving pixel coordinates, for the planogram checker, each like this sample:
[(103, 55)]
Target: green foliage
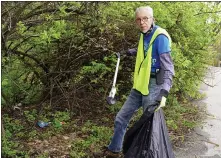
[(33, 134), (189, 124), (136, 116), (7, 148), (30, 115), (180, 118), (62, 115), (93, 70), (63, 41), (172, 125), (115, 107), (25, 129), (21, 27), (60, 119), (11, 125), (11, 148), (94, 137), (52, 49), (216, 49), (16, 83)]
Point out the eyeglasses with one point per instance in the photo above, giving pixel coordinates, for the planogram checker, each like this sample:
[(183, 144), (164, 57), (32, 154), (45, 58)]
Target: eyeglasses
[(144, 19)]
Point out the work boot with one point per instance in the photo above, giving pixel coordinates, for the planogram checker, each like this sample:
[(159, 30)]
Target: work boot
[(106, 153)]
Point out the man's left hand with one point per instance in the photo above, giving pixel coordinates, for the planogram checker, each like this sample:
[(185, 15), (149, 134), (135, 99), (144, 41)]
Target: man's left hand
[(161, 98), (162, 103)]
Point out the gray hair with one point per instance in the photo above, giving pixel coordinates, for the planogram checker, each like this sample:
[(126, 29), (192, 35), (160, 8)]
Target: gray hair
[(147, 8)]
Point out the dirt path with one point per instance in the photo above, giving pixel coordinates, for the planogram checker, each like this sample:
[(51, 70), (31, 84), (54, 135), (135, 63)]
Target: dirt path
[(205, 140)]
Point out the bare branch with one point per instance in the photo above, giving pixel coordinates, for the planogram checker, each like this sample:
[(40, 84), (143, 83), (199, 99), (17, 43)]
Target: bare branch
[(19, 44), (207, 13), (42, 65), (207, 83), (68, 10)]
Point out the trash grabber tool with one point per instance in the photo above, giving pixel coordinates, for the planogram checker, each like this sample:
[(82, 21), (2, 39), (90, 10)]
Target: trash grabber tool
[(111, 98)]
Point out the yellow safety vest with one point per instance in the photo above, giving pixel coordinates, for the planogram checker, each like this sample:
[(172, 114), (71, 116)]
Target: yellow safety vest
[(143, 65)]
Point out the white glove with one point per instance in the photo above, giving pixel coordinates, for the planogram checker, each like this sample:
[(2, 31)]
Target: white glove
[(162, 103)]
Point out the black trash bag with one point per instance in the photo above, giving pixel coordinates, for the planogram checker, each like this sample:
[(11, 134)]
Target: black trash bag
[(148, 137)]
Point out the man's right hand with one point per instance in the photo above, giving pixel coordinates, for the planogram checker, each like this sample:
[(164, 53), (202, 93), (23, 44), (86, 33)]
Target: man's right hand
[(131, 52)]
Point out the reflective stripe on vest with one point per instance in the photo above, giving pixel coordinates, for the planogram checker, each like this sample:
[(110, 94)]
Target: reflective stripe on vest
[(143, 65)]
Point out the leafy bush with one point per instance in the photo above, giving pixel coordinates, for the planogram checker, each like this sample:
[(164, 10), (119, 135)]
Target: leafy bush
[(93, 138)]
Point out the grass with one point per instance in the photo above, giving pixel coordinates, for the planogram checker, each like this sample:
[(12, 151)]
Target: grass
[(90, 134), (93, 137), (181, 119)]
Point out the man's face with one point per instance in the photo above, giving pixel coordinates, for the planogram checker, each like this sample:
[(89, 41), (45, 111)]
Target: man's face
[(144, 20)]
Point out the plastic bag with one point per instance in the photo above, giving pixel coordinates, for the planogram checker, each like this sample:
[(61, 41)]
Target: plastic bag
[(148, 137)]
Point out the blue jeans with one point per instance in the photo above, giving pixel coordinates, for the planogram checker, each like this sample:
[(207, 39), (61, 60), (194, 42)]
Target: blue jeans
[(132, 104)]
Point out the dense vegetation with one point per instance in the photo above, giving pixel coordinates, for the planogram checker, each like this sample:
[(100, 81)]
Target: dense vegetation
[(58, 63)]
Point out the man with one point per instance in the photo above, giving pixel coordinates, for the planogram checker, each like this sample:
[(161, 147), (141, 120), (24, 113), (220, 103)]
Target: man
[(152, 77)]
